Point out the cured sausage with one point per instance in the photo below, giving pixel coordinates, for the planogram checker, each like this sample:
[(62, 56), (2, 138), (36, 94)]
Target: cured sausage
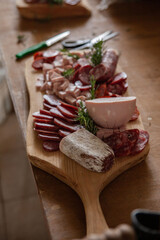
[(118, 87), (50, 146), (82, 87), (123, 142), (39, 115), (119, 77), (56, 113), (135, 115), (72, 2), (42, 120), (106, 69), (141, 143), (45, 126), (65, 125), (45, 132), (63, 133), (66, 112), (84, 75), (49, 137), (51, 100)]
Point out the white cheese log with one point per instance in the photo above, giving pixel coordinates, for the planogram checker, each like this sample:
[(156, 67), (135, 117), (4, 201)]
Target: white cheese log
[(111, 112), (87, 150)]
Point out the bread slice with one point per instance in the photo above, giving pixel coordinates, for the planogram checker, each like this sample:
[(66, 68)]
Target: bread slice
[(87, 150), (48, 11)]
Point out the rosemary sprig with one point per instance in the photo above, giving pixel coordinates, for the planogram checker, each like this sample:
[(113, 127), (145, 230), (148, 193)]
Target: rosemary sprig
[(68, 72), (85, 120), (96, 57), (93, 89)]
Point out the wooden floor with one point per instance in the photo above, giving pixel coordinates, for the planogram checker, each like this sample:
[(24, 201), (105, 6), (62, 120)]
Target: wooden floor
[(20, 207)]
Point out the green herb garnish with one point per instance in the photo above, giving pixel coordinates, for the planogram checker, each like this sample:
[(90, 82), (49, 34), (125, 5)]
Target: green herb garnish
[(68, 72), (85, 120), (96, 57), (93, 89), (65, 51)]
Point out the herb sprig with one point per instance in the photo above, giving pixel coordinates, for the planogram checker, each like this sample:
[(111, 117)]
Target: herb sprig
[(68, 72), (97, 53), (85, 120), (93, 89)]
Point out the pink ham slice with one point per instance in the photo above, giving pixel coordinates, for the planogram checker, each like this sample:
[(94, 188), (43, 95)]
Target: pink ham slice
[(111, 112)]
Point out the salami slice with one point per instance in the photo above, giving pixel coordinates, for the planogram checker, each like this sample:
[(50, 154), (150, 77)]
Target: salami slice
[(63, 133), (56, 113), (49, 137), (141, 143), (45, 132), (45, 112), (45, 126), (123, 142), (42, 120), (82, 87), (51, 100), (118, 88), (50, 146), (72, 2), (39, 115), (38, 63), (69, 106), (101, 90), (46, 106), (84, 75), (65, 125), (66, 112)]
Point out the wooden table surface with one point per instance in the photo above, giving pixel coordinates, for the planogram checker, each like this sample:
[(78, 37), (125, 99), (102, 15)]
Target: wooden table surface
[(139, 43)]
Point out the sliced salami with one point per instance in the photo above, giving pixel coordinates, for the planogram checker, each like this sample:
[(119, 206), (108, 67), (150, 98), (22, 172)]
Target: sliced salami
[(45, 112), (63, 133), (47, 106), (45, 132), (119, 77), (84, 75), (118, 88), (45, 126), (49, 137), (51, 100), (123, 142), (66, 112), (42, 120), (141, 143), (72, 2), (65, 125), (135, 115), (39, 115), (50, 146)]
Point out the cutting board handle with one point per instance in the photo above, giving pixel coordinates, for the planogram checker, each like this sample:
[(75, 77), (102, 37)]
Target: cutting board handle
[(95, 220)]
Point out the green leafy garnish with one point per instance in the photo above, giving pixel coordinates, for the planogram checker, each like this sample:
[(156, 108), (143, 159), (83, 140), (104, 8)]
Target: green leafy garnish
[(85, 120), (93, 89), (68, 72), (97, 53)]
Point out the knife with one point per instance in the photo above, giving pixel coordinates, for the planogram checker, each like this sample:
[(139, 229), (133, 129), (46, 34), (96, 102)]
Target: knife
[(42, 44)]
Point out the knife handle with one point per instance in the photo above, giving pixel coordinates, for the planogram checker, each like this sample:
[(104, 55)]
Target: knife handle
[(31, 50)]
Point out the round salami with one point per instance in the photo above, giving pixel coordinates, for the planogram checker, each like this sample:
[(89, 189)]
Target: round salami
[(50, 146)]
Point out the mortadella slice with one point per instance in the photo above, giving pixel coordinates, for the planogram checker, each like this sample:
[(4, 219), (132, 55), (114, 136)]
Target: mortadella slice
[(87, 150), (111, 112)]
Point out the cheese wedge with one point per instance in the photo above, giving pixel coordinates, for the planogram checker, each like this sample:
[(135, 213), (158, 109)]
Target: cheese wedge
[(111, 112)]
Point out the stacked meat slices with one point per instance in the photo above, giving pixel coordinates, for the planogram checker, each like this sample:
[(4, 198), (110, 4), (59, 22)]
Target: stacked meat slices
[(55, 123)]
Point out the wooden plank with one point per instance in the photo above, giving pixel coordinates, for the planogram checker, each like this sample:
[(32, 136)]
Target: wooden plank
[(139, 44)]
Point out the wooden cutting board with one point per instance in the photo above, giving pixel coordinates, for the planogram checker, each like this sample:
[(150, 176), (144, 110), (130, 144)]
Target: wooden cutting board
[(50, 11), (86, 183)]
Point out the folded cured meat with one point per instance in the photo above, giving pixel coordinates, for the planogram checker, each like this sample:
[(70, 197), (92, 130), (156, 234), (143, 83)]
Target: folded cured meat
[(111, 112), (88, 150)]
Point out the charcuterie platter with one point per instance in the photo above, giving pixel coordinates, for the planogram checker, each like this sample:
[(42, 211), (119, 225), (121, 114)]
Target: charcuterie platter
[(50, 9), (86, 182)]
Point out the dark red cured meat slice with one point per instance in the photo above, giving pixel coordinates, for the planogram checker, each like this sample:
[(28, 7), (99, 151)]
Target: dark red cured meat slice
[(119, 77), (135, 115), (41, 120), (39, 115), (84, 75), (69, 106), (72, 2), (38, 63), (46, 106), (45, 112), (118, 88), (49, 137), (66, 125), (141, 143), (123, 142), (66, 112), (50, 146), (45, 132), (101, 90), (106, 69), (82, 87), (76, 66), (63, 133), (56, 113), (44, 126), (51, 100), (32, 1), (38, 55)]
